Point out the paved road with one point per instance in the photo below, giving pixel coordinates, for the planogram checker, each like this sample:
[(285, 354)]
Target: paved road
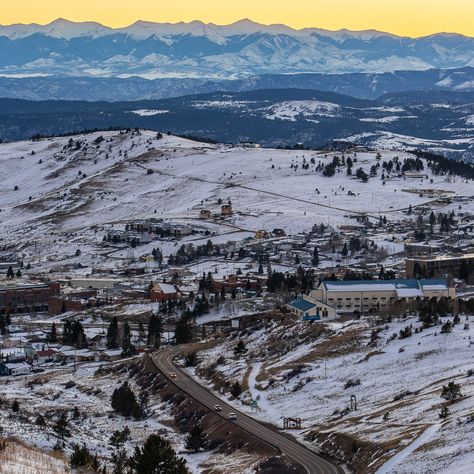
[(311, 461)]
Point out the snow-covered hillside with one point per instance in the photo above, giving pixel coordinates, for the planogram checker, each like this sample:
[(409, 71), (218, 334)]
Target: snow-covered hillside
[(292, 369), (58, 195)]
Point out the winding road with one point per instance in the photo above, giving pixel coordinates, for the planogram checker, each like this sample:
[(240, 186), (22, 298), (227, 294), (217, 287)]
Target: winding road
[(312, 462)]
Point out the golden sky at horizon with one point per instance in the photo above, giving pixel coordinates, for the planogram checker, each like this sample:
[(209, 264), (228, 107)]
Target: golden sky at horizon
[(403, 17)]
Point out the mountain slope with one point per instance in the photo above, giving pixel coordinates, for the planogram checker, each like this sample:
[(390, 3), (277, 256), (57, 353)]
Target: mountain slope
[(193, 49)]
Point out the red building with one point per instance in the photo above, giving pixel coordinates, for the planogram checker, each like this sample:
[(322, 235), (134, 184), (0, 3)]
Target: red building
[(17, 297), (163, 292)]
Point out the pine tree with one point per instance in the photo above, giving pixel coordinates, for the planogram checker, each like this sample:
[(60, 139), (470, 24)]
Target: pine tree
[(120, 462), (155, 331), (184, 330), (124, 401), (451, 392), (61, 427), (113, 334), (53, 334), (444, 413), (196, 440), (73, 334), (128, 349), (344, 251), (120, 437), (191, 359), (382, 273), (240, 348), (315, 259), (18, 273), (236, 389), (141, 332), (10, 273), (157, 456), (82, 457)]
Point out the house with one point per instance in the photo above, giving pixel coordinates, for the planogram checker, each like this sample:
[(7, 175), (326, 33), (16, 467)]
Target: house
[(13, 354), (262, 234), (205, 214), (39, 352), (310, 309), (85, 355), (367, 296), (20, 368), (110, 355), (163, 292), (226, 210), (71, 354)]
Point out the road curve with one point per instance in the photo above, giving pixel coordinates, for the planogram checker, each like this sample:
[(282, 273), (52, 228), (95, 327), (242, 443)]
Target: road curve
[(310, 460)]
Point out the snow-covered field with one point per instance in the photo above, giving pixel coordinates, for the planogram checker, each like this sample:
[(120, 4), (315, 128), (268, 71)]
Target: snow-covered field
[(289, 376), (61, 194)]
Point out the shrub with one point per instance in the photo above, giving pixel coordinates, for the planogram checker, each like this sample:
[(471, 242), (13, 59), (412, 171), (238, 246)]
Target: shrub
[(351, 383), (451, 392), (406, 332)]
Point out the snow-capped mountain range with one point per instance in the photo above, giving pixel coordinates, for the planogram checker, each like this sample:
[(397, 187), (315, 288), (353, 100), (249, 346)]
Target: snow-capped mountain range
[(196, 49)]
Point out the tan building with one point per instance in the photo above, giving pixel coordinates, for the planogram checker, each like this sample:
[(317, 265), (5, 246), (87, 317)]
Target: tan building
[(205, 214), (366, 296), (226, 210)]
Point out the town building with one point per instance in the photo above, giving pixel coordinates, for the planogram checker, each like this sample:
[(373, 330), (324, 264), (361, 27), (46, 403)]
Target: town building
[(226, 210), (442, 266), (205, 214), (310, 309), (163, 292), (20, 368), (413, 249), (367, 296), (26, 296)]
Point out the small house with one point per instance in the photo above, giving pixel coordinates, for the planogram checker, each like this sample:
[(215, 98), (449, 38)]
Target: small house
[(163, 292), (226, 210), (205, 214), (15, 369)]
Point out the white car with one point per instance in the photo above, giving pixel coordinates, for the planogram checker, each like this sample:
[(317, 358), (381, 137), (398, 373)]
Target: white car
[(232, 416)]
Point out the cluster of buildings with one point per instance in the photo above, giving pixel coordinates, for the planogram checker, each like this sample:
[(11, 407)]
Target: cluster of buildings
[(37, 356), (142, 232), (334, 299)]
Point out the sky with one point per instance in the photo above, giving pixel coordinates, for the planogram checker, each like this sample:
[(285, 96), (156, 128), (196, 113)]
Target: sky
[(403, 17)]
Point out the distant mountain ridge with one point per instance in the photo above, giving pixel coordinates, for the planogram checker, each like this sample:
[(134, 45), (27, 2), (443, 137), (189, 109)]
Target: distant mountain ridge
[(439, 121), (196, 49), (360, 85)]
